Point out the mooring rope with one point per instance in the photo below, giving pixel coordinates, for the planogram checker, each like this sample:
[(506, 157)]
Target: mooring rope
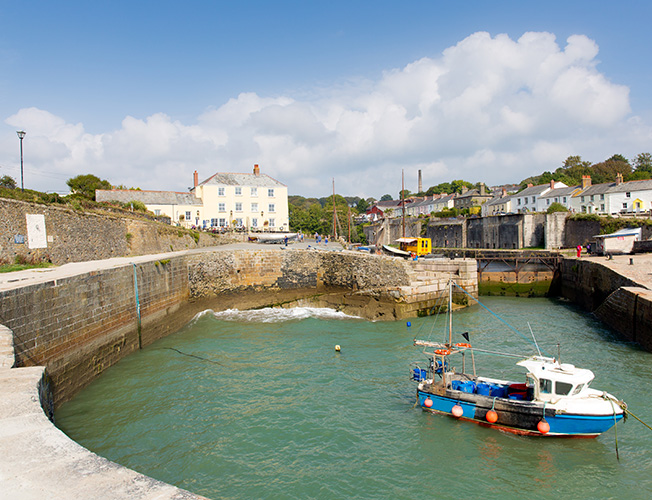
[(193, 356)]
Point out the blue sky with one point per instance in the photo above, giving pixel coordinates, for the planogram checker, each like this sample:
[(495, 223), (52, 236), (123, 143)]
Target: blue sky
[(143, 93)]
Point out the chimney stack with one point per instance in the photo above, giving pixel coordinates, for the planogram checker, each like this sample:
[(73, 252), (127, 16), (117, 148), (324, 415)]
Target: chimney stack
[(586, 181), (420, 183), (552, 184), (619, 178), (195, 179), (256, 170)]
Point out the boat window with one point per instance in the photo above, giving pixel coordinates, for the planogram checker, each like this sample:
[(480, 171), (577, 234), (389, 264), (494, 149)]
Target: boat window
[(545, 386), (563, 388), (578, 389)]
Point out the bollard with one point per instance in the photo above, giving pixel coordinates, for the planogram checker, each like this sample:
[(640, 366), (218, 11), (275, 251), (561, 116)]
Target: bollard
[(631, 262)]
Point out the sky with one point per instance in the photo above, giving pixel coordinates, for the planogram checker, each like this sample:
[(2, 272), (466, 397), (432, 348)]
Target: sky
[(143, 93)]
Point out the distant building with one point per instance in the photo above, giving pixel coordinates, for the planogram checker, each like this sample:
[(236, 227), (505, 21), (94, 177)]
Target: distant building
[(527, 200), (253, 201), (473, 199), (613, 197)]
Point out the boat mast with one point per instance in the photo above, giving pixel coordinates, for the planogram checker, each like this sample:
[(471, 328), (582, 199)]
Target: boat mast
[(403, 198), (450, 312), (334, 213)]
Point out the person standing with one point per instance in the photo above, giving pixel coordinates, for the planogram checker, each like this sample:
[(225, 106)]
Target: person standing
[(579, 251)]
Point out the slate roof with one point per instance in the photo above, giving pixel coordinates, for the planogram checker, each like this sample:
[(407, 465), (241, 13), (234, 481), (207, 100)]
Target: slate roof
[(230, 179), (557, 192), (147, 197)]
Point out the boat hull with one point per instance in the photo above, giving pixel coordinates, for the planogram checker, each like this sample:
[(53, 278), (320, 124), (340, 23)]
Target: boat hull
[(518, 417)]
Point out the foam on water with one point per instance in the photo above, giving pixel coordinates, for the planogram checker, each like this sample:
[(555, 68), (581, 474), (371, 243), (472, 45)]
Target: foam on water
[(277, 314)]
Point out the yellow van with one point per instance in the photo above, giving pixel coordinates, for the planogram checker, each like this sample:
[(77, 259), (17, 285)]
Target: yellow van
[(419, 246)]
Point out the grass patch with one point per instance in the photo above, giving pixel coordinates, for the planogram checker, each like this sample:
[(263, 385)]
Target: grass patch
[(10, 268)]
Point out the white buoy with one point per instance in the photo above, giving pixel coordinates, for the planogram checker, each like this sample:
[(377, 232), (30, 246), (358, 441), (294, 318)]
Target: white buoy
[(337, 348)]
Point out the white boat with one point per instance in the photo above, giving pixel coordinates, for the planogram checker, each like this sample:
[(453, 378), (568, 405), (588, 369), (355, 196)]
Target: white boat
[(272, 237), (555, 400)]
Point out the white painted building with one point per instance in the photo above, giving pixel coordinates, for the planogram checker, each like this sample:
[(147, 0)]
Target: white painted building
[(527, 200), (253, 201), (613, 197)]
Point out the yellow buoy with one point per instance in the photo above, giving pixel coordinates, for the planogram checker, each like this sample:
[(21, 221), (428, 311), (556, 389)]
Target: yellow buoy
[(337, 348)]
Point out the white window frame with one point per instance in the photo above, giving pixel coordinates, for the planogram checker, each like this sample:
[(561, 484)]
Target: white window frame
[(238, 206)]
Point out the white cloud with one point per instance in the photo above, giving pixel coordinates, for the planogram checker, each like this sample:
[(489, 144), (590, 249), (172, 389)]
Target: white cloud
[(489, 108)]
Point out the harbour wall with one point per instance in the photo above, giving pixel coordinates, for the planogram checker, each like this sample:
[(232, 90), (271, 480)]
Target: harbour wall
[(75, 236), (620, 302)]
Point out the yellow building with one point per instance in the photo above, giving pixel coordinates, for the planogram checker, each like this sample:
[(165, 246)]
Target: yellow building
[(253, 201)]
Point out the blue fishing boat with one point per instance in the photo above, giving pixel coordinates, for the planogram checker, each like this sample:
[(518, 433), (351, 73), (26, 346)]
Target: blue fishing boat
[(553, 398)]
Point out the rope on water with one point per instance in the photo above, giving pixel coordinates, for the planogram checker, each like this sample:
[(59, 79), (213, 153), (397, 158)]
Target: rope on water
[(194, 356), (615, 427)]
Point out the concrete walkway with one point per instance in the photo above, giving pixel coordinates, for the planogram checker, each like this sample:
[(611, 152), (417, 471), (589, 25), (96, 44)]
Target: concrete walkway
[(639, 271)]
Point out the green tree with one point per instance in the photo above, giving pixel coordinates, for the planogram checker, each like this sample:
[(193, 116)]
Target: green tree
[(7, 182), (85, 185), (362, 206), (643, 162), (386, 197), (556, 207), (405, 193)]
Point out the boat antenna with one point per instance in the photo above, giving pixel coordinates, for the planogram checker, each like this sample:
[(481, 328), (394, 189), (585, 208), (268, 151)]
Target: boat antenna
[(334, 213), (534, 338), (403, 199), (450, 312)]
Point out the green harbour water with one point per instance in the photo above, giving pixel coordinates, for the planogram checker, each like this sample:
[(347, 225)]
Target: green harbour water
[(257, 404)]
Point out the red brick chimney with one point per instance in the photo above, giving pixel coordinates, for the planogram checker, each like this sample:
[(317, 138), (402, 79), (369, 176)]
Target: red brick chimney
[(530, 184), (256, 170), (195, 179), (586, 181), (552, 183)]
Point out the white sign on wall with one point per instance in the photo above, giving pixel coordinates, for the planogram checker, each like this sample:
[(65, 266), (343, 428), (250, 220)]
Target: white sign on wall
[(36, 235)]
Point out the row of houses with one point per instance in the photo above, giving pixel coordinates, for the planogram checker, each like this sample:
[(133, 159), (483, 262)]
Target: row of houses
[(609, 198), (224, 200)]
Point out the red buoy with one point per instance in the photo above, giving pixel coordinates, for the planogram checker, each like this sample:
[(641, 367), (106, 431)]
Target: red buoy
[(457, 411), (492, 417), (543, 427), (427, 403)]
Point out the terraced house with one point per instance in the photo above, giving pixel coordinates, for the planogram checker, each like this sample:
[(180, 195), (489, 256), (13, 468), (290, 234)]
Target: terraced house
[(225, 200), (617, 197)]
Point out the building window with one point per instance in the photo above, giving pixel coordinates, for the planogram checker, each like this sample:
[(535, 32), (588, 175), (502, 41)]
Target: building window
[(221, 207), (254, 207), (254, 222), (254, 191), (602, 208), (238, 222), (214, 222), (270, 192), (157, 211), (582, 199), (272, 223), (592, 197), (238, 207), (602, 197), (628, 195), (583, 208), (188, 216), (272, 207), (564, 199), (548, 201), (624, 206), (519, 201), (222, 222), (220, 191), (238, 191)]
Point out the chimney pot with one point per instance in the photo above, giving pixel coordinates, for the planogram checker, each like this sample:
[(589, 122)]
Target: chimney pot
[(256, 169), (586, 181), (195, 179)]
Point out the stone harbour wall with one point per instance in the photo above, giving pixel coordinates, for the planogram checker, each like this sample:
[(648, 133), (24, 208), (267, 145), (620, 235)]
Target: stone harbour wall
[(73, 236)]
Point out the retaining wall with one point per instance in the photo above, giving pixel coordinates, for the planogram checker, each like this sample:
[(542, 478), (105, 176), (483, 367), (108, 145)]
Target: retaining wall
[(73, 236)]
